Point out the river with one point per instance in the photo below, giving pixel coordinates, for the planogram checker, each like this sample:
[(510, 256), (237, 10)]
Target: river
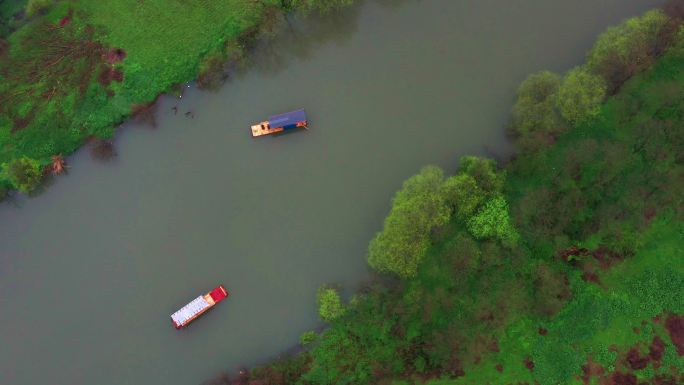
[(91, 269)]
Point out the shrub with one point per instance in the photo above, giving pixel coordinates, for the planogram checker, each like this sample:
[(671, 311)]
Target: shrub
[(580, 95), (535, 108), (24, 174), (493, 221), (308, 337), (330, 305), (417, 209)]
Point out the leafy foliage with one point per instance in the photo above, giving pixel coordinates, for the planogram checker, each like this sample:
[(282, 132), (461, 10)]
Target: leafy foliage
[(534, 112), (24, 174), (623, 50), (493, 221), (330, 305), (417, 209), (580, 95)]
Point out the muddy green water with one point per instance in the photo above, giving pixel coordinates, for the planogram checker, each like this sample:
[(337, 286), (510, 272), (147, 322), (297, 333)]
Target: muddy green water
[(91, 269)]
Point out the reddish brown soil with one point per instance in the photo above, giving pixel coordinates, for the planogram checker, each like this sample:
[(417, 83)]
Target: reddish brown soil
[(675, 328), (589, 276), (591, 369), (115, 55), (619, 378), (543, 331), (650, 213), (655, 351), (109, 75), (529, 364), (499, 368), (636, 361)]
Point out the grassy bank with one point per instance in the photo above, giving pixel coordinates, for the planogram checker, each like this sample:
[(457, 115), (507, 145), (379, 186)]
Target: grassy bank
[(564, 267), (71, 70)]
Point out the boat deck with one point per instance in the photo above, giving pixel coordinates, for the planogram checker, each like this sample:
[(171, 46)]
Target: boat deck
[(263, 128)]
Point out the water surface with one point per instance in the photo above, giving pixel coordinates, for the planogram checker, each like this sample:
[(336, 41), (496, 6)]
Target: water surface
[(91, 269)]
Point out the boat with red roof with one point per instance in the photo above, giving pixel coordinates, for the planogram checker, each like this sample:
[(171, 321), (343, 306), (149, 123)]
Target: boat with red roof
[(197, 306)]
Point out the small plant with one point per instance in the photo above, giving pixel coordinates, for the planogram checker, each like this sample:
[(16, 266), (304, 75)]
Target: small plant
[(330, 305), (24, 174), (308, 337)]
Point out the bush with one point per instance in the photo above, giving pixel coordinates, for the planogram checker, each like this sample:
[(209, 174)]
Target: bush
[(24, 174), (308, 337), (417, 209), (535, 111), (330, 305), (580, 95), (493, 221)]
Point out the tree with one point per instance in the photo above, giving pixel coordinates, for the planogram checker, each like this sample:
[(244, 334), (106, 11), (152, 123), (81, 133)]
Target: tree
[(493, 221), (485, 172), (24, 174), (330, 305), (417, 209), (535, 111), (623, 50), (462, 194), (580, 95)]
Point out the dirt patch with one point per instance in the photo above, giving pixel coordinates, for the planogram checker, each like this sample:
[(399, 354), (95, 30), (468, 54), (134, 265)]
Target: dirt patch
[(108, 75), (115, 55), (590, 276), (591, 369), (543, 331), (655, 351), (529, 364), (499, 368), (636, 361), (619, 378), (21, 123), (675, 328)]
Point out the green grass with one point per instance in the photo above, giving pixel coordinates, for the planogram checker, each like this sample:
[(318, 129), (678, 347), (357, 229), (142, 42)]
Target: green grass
[(50, 106)]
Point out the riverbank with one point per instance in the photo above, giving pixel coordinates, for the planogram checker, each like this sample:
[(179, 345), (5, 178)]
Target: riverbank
[(71, 71), (563, 267)]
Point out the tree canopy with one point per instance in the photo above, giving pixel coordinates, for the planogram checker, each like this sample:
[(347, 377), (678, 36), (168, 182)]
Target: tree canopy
[(535, 108), (417, 209), (580, 95)]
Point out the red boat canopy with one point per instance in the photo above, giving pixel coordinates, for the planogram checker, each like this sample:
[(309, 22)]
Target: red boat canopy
[(218, 293)]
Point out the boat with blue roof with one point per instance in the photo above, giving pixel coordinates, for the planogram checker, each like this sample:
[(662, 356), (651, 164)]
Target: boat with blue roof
[(279, 123)]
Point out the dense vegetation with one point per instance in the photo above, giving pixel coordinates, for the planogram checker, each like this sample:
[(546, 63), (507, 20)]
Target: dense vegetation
[(566, 266), (71, 70)]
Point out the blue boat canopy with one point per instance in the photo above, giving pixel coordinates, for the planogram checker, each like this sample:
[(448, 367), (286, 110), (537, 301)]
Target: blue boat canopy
[(287, 120)]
